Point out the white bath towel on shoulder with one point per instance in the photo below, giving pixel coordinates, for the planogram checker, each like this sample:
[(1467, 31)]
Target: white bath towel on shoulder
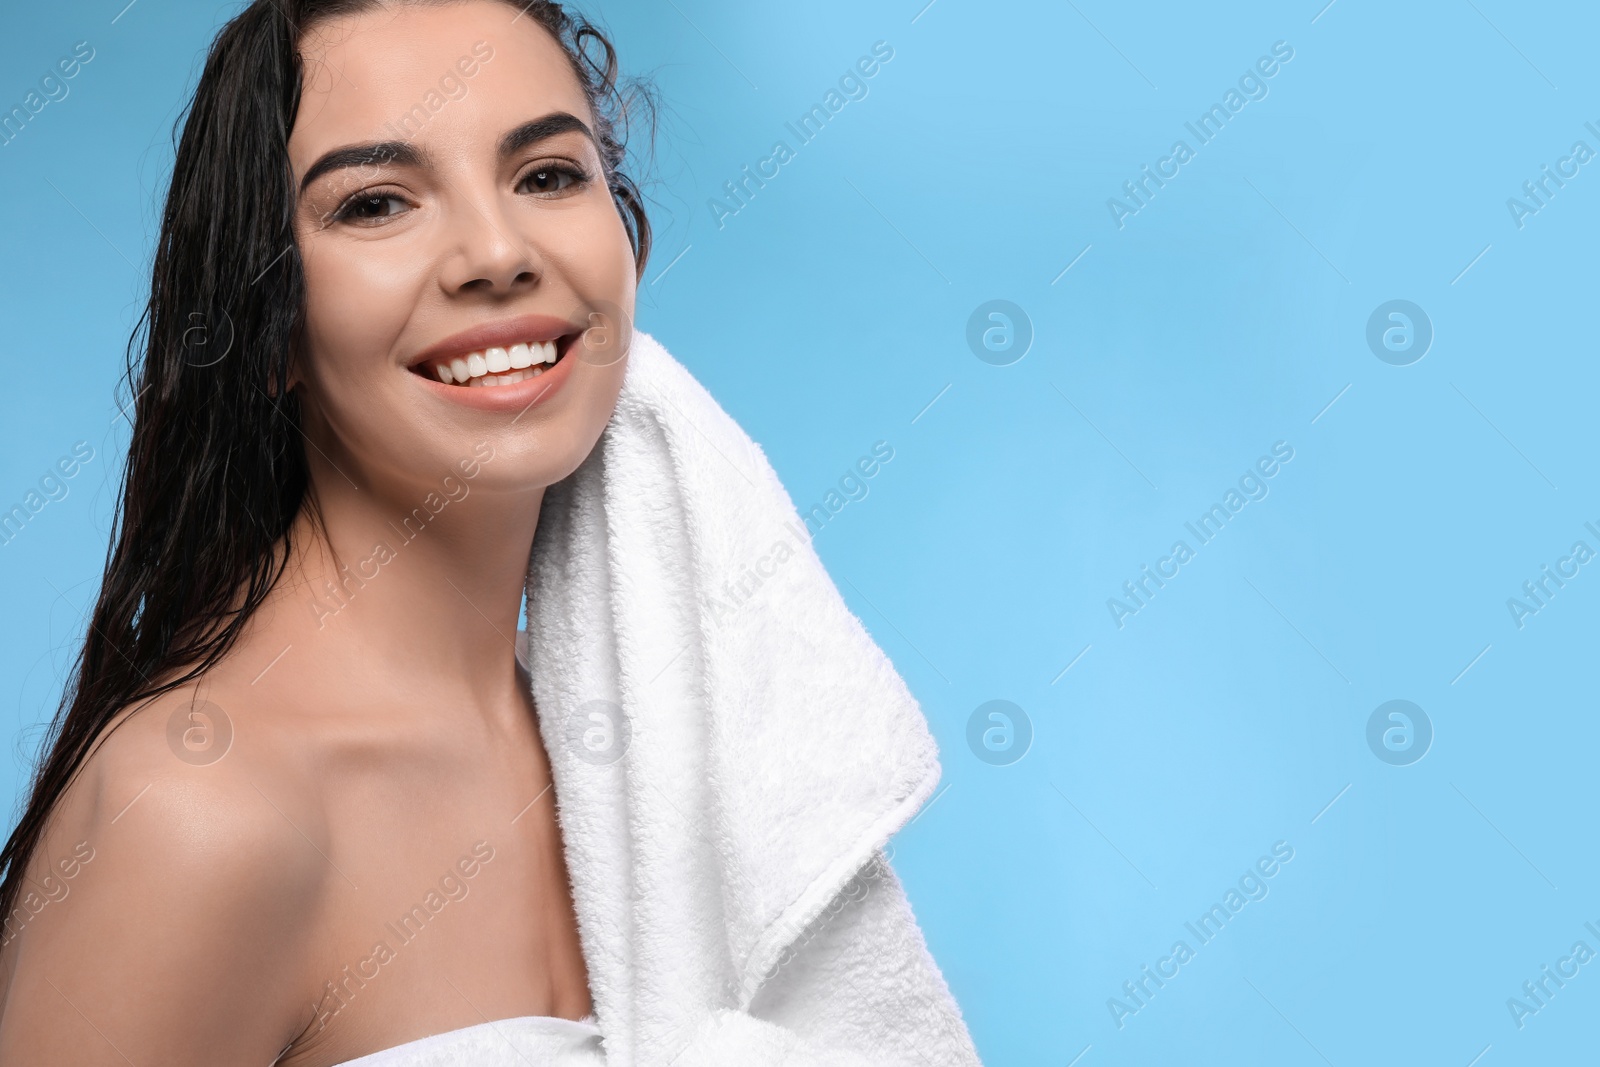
[(730, 751)]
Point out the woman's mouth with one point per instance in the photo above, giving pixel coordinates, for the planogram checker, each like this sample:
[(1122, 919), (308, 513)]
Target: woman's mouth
[(496, 366)]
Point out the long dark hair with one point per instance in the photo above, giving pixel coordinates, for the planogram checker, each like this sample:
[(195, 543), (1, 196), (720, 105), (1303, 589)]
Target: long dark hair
[(216, 468)]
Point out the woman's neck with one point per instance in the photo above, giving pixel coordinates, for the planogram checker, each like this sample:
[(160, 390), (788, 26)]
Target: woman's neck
[(421, 586)]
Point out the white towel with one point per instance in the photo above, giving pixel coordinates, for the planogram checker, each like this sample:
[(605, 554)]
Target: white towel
[(728, 744)]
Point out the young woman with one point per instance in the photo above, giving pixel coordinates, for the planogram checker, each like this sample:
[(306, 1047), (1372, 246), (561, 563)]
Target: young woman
[(397, 266)]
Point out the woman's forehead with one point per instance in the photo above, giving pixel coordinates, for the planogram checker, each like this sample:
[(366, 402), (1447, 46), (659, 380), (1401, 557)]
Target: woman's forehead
[(428, 73)]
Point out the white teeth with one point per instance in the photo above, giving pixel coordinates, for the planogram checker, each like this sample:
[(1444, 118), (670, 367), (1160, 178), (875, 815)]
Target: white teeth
[(490, 367)]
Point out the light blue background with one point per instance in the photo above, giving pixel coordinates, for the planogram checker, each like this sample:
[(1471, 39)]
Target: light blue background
[(1225, 316)]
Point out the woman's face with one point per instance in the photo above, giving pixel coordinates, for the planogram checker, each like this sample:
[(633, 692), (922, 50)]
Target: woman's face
[(453, 217)]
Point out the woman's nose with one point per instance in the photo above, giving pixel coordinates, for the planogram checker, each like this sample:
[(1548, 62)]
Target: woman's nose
[(489, 253)]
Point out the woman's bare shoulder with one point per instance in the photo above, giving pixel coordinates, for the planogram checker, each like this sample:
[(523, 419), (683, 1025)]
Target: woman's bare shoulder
[(177, 772), (169, 896)]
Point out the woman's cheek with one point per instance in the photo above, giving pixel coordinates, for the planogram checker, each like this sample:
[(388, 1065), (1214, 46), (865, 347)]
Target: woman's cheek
[(358, 297), (597, 255)]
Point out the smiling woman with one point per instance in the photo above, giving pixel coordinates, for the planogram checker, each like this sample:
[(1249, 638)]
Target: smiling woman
[(411, 295)]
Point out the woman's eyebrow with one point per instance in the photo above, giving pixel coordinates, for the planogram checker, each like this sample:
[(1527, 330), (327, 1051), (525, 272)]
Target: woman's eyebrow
[(405, 154), (541, 128), (362, 155)]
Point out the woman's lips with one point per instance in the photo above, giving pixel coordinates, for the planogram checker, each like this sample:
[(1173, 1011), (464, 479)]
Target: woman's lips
[(529, 329), (495, 365), (512, 389)]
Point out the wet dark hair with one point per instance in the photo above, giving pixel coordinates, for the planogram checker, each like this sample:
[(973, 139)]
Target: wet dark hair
[(216, 469)]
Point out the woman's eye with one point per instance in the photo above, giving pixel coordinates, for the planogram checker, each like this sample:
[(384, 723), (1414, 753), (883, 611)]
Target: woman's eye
[(551, 179), (376, 206)]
